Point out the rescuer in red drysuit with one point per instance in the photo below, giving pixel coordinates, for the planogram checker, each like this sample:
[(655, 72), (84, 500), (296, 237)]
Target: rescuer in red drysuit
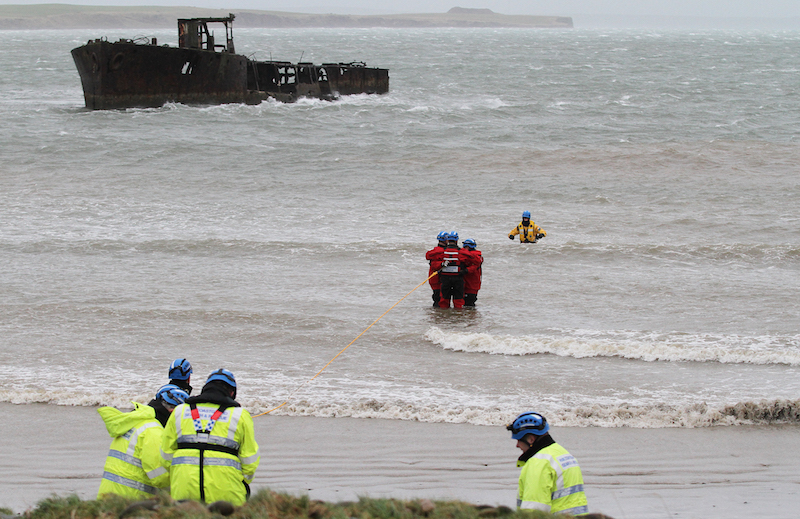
[(474, 272), (434, 257), (451, 273)]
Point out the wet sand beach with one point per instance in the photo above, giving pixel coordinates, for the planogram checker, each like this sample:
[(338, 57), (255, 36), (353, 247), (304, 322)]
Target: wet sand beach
[(642, 473)]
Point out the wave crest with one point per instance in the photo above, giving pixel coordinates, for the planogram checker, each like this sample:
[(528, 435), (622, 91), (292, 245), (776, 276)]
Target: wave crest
[(778, 411), (648, 347), (765, 412)]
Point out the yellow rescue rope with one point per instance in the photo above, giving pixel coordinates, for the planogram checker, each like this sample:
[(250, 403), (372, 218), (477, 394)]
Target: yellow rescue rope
[(343, 349)]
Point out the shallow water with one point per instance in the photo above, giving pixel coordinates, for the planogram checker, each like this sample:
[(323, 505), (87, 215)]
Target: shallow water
[(264, 239)]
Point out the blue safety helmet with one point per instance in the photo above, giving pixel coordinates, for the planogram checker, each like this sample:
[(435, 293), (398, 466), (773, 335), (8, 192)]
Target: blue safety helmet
[(442, 236), (180, 369), (171, 394), (528, 423), (470, 243), (526, 214), (452, 236), (223, 375)]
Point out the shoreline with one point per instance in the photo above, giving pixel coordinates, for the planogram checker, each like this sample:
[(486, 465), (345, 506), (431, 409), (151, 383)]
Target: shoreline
[(703, 472), (66, 16)]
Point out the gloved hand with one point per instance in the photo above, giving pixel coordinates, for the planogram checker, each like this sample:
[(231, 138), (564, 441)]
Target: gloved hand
[(539, 236), (510, 236)]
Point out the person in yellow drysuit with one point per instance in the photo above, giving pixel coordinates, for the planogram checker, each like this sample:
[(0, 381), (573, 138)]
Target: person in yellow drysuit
[(550, 479), (209, 445), (528, 231), (133, 466)]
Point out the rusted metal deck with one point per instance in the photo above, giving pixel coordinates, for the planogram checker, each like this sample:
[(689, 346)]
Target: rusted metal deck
[(140, 73)]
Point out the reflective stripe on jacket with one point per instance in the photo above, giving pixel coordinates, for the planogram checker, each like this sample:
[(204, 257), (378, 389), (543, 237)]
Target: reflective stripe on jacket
[(450, 261), (229, 452), (527, 234), (133, 467), (551, 481)]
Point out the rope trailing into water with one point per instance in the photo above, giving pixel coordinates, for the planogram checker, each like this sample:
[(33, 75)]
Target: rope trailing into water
[(343, 349)]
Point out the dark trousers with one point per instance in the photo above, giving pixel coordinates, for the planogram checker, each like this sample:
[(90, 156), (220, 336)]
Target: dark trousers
[(436, 296), (469, 299), (452, 286)]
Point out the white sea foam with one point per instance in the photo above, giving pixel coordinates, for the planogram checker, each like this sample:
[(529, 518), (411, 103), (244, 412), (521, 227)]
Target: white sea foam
[(128, 247), (777, 411), (629, 345)]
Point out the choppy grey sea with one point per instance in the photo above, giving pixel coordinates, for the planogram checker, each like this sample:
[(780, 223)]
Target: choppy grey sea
[(264, 239)]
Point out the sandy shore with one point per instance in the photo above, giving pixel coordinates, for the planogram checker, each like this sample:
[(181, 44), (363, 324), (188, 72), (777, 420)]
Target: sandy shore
[(629, 473)]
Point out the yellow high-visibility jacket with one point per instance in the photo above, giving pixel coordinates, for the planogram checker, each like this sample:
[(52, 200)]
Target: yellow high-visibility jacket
[(133, 467), (551, 480), (229, 453), (527, 234)]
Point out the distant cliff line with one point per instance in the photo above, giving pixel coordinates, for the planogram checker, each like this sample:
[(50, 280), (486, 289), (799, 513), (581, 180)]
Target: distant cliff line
[(64, 16)]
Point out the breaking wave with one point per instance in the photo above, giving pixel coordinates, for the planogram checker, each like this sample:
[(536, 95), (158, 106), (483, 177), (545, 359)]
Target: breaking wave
[(630, 345), (661, 416), (764, 412)]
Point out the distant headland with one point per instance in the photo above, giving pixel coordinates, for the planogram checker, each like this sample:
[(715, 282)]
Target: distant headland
[(65, 16)]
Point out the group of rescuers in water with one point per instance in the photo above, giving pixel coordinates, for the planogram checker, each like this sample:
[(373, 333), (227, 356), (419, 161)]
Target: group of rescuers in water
[(455, 272), (203, 448)]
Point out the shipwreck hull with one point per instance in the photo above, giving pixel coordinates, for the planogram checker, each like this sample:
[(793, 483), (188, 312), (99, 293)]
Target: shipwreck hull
[(205, 71), (201, 70), (349, 79), (126, 74), (286, 81)]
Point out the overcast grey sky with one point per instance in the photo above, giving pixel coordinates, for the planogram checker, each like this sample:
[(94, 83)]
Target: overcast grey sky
[(690, 8)]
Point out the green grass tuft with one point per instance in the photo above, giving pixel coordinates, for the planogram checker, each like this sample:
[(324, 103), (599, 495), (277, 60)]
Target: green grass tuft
[(266, 504)]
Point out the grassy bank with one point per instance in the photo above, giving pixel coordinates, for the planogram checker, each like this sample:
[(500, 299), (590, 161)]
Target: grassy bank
[(267, 505)]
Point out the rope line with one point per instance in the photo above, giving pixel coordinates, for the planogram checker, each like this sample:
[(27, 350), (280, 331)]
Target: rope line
[(298, 388)]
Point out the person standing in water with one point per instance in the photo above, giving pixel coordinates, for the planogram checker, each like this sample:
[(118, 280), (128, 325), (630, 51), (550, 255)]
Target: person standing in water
[(473, 273), (527, 230), (434, 257), (451, 273)]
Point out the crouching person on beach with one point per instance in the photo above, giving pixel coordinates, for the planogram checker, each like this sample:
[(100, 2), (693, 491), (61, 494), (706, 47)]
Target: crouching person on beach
[(133, 467), (209, 445), (550, 479)]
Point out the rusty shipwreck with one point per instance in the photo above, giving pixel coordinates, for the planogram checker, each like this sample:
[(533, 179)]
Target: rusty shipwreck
[(201, 70)]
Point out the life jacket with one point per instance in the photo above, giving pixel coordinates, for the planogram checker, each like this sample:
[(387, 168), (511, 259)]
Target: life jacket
[(527, 233), (450, 261), (211, 450)]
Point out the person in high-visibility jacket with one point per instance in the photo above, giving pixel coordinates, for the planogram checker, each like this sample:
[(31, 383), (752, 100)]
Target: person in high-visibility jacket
[(550, 479), (528, 231), (209, 445), (133, 467)]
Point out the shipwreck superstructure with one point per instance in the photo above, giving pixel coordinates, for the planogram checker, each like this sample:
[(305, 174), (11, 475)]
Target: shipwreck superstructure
[(203, 70)]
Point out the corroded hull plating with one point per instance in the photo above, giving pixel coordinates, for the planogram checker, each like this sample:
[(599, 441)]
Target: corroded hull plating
[(126, 74)]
